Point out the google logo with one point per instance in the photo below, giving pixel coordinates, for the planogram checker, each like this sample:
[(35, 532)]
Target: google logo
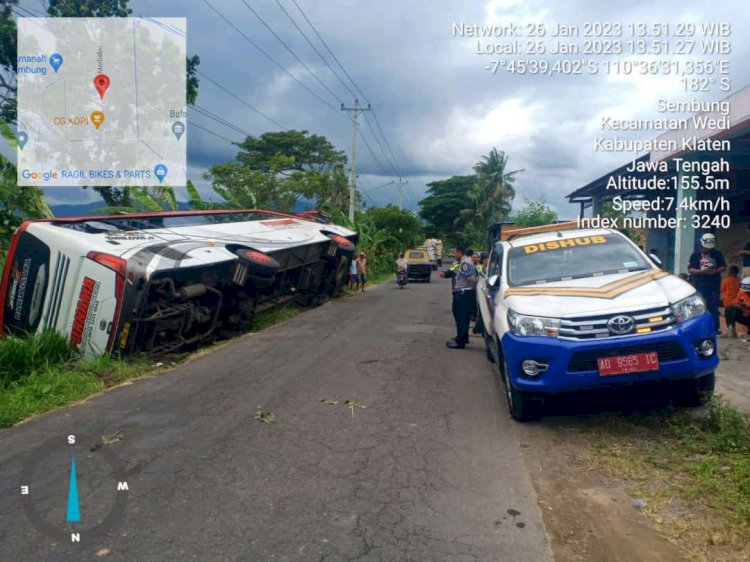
[(39, 176)]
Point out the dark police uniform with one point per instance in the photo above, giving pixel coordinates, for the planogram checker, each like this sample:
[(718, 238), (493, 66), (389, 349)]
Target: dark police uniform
[(463, 276)]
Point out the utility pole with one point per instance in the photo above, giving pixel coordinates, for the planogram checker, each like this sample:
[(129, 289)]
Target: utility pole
[(401, 193), (356, 110)]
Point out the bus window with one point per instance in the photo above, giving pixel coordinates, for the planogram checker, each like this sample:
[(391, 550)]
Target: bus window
[(26, 285)]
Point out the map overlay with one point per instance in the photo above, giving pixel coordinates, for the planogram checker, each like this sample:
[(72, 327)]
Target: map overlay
[(101, 101)]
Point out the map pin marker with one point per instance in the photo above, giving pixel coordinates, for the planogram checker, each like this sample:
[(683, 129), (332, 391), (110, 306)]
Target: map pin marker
[(178, 127), (55, 61), (161, 172), (101, 83), (22, 138), (97, 118)]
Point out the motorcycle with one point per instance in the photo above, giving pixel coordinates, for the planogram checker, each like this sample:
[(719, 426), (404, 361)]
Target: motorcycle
[(401, 279)]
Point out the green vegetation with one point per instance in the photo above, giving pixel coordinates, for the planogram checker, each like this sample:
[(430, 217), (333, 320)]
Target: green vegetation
[(17, 204), (39, 373), (384, 232), (20, 357), (535, 213), (276, 169), (693, 471), (461, 208)]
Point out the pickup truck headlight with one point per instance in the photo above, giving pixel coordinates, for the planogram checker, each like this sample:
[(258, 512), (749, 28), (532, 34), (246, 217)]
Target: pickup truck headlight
[(688, 308), (523, 325)]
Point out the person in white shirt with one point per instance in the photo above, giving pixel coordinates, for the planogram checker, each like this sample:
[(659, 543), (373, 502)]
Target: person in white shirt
[(353, 277), (402, 264)]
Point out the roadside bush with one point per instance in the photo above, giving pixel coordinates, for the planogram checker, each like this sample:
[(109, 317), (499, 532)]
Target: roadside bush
[(20, 357), (726, 429), (43, 390)]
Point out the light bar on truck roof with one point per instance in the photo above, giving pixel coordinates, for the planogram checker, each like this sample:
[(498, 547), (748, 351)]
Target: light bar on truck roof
[(516, 232)]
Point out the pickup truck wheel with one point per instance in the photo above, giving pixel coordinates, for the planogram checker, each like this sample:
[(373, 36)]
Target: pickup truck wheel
[(695, 392), (523, 406), (487, 348)]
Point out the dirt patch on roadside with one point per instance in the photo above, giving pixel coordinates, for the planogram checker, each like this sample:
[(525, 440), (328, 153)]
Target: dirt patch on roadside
[(587, 517)]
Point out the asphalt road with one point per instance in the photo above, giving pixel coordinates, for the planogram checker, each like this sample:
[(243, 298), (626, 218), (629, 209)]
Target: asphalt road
[(429, 470)]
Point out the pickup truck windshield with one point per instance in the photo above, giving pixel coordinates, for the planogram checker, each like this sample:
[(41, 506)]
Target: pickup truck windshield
[(573, 258)]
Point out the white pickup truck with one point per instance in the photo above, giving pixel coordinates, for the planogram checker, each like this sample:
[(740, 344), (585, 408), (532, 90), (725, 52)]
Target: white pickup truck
[(158, 282), (567, 310)]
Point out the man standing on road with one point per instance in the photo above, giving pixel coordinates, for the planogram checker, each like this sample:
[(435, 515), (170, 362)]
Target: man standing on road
[(362, 270), (463, 277), (705, 268), (745, 253)]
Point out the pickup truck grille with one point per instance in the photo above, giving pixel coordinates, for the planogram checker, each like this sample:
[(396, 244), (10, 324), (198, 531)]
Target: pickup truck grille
[(594, 327), (586, 360)]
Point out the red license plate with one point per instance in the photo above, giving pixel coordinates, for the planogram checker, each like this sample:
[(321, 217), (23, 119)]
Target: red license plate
[(624, 364)]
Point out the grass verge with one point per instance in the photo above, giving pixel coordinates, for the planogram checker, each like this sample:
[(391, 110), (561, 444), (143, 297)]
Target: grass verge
[(692, 470), (37, 374)]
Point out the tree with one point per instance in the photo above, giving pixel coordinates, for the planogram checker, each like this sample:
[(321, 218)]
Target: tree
[(192, 82), (445, 200), (276, 169), (405, 228), (495, 187), (8, 58), (114, 197), (17, 204), (306, 152), (535, 213), (461, 208), (243, 187), (89, 8)]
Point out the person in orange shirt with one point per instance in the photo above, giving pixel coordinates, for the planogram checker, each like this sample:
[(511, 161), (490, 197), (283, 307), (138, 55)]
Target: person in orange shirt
[(739, 311), (730, 285)]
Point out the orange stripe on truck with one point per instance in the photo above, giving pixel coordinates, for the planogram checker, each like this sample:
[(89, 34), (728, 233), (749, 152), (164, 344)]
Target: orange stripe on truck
[(609, 291)]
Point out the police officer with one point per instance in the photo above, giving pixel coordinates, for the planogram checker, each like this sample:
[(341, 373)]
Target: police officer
[(463, 277), (705, 267)]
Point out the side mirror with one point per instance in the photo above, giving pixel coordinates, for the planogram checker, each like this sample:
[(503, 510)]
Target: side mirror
[(493, 280), (655, 259)]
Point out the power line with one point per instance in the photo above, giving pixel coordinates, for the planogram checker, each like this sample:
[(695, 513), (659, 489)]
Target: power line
[(221, 120), (22, 12), (301, 11), (194, 124), (239, 99), (380, 144), (381, 186), (288, 48), (372, 153), (314, 48), (269, 57), (341, 66), (377, 122)]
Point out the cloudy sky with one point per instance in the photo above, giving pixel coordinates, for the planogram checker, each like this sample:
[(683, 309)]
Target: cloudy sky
[(438, 106)]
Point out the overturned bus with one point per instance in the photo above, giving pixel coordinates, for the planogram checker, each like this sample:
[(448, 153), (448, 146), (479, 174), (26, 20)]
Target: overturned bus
[(158, 282)]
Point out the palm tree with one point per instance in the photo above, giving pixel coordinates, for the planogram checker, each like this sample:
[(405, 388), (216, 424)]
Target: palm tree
[(495, 185)]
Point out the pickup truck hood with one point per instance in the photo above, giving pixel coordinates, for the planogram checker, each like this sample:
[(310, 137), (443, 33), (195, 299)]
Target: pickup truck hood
[(598, 295)]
